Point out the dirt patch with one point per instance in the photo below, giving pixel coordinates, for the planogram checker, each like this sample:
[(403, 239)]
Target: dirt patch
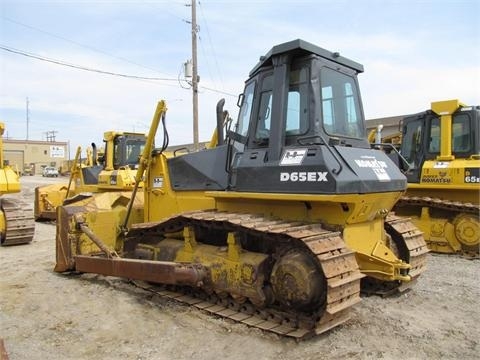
[(44, 315)]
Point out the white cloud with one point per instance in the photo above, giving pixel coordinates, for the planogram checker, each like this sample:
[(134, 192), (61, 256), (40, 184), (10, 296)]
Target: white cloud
[(88, 104), (404, 73), (410, 89)]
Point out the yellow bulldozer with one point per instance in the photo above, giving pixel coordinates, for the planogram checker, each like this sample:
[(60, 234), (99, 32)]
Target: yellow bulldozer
[(441, 160), (16, 217), (110, 168), (279, 223)]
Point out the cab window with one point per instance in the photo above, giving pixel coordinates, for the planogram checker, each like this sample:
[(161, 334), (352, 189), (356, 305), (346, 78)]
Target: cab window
[(340, 104), (461, 139), (117, 151), (134, 149), (297, 103), (262, 130), (412, 142), (434, 140), (461, 133), (245, 110)]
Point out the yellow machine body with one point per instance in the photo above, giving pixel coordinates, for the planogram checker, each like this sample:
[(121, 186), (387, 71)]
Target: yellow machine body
[(275, 224), (16, 221), (443, 195), (364, 218), (446, 230), (110, 170), (9, 179)]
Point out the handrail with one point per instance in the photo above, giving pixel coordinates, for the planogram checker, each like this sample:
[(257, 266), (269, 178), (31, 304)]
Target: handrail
[(146, 157), (73, 169)]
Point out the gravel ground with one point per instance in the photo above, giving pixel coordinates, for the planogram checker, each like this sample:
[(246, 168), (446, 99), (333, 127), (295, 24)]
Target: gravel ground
[(44, 315)]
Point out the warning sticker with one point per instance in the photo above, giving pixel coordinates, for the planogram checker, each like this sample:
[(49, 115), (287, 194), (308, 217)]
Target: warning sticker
[(293, 157), (158, 182), (378, 167)]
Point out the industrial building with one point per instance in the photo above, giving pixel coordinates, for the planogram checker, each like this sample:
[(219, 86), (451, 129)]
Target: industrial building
[(31, 157)]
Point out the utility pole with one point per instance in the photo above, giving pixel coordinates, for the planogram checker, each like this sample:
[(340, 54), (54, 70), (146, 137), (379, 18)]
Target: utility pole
[(51, 135), (28, 119), (195, 75)]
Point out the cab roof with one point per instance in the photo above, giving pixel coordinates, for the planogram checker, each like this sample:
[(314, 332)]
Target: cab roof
[(300, 47)]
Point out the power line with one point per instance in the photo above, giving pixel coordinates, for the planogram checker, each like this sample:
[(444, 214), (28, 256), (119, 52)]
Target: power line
[(166, 10), (206, 58), (211, 45), (218, 91), (79, 67), (79, 44)]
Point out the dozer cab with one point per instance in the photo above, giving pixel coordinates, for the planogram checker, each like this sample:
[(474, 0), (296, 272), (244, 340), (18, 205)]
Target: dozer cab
[(442, 149), (110, 168), (277, 224), (16, 217)]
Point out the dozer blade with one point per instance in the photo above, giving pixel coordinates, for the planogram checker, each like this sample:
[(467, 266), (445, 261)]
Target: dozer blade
[(104, 212), (47, 198)]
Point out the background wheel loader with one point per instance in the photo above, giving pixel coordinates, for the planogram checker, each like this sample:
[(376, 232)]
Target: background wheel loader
[(111, 169), (16, 218), (441, 148), (277, 224)]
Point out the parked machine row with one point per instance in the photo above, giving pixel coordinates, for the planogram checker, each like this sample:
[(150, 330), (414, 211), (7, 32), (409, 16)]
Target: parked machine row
[(285, 217), (110, 168)]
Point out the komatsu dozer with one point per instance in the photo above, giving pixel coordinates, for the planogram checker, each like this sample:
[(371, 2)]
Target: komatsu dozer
[(441, 147), (276, 223), (112, 169), (16, 217)]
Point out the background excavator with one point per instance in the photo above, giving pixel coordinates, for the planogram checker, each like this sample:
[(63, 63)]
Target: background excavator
[(110, 168), (16, 218), (277, 222), (441, 147)]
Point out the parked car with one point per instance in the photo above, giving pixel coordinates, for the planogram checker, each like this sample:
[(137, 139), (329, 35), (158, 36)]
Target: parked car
[(29, 169), (50, 172)]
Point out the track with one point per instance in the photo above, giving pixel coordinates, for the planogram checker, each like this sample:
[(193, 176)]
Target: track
[(416, 248), (335, 259), (20, 225), (436, 203), (455, 209)]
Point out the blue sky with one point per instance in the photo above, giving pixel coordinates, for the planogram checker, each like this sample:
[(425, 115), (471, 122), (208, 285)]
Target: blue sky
[(414, 52)]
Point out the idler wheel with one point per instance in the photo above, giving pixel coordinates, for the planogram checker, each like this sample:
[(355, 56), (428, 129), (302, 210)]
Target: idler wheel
[(467, 230), (298, 282)]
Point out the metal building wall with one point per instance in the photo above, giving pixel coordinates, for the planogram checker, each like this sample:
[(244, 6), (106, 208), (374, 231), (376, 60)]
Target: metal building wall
[(36, 154)]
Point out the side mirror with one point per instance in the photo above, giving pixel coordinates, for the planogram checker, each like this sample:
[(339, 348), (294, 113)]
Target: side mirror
[(240, 100)]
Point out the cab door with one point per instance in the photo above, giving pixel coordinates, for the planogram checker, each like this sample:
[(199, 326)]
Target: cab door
[(412, 148)]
